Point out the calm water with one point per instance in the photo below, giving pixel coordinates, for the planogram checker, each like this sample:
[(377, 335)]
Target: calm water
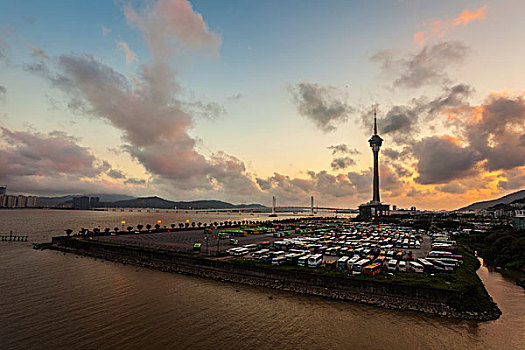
[(50, 300)]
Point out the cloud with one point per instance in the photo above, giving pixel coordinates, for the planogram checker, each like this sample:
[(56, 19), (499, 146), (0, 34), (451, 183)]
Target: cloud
[(320, 104), (116, 174), (38, 53), (235, 97), (135, 181), (438, 28), (341, 163), (38, 154), (426, 67), (3, 92), (343, 149), (513, 179), (441, 159), (168, 24), (130, 55), (468, 16), (495, 130), (105, 30)]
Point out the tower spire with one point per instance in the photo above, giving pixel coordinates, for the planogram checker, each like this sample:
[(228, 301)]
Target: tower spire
[(375, 121)]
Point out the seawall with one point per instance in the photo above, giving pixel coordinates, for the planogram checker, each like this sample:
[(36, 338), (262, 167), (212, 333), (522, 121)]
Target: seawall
[(428, 300)]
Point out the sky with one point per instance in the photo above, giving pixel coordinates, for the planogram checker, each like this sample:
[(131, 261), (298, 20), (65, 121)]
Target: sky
[(244, 100)]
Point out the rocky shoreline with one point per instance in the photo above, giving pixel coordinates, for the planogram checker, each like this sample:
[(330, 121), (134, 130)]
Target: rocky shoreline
[(430, 301)]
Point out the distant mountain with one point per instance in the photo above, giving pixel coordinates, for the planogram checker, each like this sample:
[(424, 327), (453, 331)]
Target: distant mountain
[(161, 203), (58, 201), (503, 200)]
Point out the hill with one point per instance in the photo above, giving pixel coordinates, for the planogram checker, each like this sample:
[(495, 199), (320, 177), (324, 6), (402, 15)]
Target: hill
[(161, 203), (490, 203), (58, 201)]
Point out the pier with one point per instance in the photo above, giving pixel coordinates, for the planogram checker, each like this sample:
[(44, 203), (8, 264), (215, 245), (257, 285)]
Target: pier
[(11, 238)]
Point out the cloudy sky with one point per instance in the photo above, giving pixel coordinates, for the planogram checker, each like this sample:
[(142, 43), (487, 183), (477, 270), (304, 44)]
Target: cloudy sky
[(242, 100)]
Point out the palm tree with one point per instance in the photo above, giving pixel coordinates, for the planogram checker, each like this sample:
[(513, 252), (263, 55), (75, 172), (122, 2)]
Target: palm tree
[(187, 224), (140, 227), (205, 224), (148, 227), (69, 232)]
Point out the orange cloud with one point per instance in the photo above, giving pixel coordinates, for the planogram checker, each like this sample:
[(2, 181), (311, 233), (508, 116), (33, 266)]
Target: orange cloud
[(130, 55), (439, 28), (467, 16)]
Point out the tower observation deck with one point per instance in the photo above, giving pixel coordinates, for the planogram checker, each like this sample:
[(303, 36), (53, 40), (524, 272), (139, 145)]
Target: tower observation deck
[(374, 208)]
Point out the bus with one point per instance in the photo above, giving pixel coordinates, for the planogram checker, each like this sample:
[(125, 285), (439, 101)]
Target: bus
[(441, 266), (391, 265), (427, 265), (281, 260), (260, 253), (350, 263), (293, 258), (315, 260), (373, 269), (303, 260), (359, 266), (402, 266), (342, 262), (439, 255), (416, 267)]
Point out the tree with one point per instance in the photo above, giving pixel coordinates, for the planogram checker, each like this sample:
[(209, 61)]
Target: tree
[(106, 231), (172, 226), (129, 228), (83, 231), (68, 232), (140, 227), (115, 229), (187, 224), (157, 226), (96, 231), (205, 224), (148, 227), (199, 224), (193, 224), (181, 225)]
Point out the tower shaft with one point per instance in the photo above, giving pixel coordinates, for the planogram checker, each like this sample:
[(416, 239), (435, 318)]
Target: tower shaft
[(376, 178)]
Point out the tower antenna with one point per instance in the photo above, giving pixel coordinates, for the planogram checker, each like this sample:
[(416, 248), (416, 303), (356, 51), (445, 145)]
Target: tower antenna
[(375, 121)]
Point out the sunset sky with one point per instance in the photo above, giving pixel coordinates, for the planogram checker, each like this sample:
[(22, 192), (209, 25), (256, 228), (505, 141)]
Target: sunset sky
[(242, 100)]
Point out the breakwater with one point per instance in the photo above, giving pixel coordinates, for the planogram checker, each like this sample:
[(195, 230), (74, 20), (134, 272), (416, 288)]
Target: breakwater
[(388, 295)]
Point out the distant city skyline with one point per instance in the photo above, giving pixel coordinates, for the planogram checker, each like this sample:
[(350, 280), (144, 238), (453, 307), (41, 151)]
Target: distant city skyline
[(242, 101)]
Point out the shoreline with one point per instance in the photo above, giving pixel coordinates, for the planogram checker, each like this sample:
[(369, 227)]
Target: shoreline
[(388, 295)]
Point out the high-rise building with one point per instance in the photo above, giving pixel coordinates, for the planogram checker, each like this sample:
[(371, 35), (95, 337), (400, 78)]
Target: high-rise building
[(3, 190), (374, 208), (81, 203)]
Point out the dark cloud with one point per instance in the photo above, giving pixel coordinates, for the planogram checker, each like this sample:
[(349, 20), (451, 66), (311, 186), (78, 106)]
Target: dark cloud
[(427, 67), (341, 163), (441, 159), (453, 188), (495, 131), (320, 104), (116, 174), (343, 149), (135, 181), (454, 96)]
